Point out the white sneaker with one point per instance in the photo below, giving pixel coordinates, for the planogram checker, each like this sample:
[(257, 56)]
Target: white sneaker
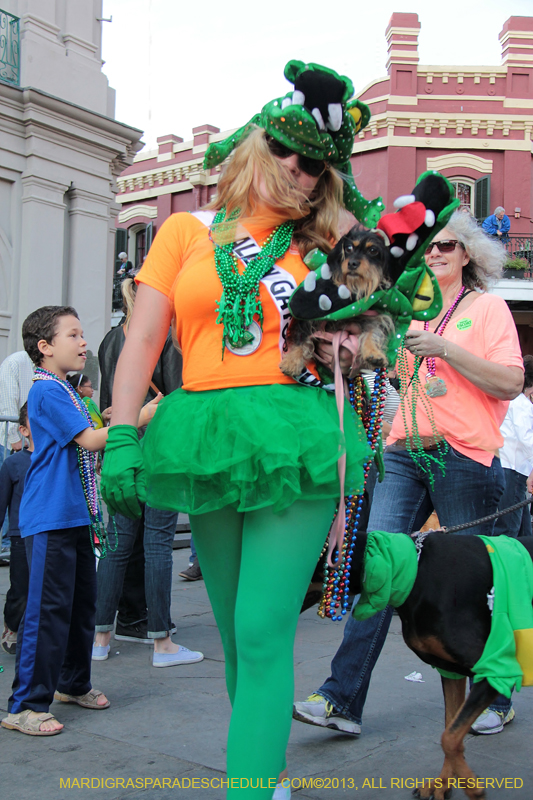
[(183, 656), (492, 721), (316, 710), (282, 792), (100, 652)]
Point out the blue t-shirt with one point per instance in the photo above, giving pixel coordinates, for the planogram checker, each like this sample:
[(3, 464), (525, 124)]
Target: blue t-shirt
[(53, 495)]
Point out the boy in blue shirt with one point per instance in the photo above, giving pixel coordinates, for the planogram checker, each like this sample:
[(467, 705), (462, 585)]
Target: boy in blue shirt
[(57, 518), (12, 476)]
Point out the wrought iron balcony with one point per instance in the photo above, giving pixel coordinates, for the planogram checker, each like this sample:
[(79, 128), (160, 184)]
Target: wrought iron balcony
[(520, 246), (9, 48)]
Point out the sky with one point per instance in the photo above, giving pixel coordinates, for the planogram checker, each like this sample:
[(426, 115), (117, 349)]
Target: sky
[(176, 65)]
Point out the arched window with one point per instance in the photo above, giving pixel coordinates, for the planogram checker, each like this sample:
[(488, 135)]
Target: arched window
[(464, 190)]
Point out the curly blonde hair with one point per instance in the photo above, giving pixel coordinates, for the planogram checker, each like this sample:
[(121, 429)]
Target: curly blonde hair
[(317, 217), (487, 256)]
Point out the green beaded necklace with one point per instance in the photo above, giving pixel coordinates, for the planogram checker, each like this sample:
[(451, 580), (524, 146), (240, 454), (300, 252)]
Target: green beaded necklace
[(422, 457), (240, 300)]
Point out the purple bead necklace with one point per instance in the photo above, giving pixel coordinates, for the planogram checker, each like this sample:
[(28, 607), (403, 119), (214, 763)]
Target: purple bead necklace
[(436, 387)]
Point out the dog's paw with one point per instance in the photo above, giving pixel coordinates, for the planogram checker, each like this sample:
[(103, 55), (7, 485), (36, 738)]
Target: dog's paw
[(293, 362)]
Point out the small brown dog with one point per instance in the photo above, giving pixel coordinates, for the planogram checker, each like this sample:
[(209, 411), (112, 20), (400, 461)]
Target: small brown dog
[(358, 266)]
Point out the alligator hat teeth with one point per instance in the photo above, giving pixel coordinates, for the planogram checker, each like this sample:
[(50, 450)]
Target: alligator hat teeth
[(334, 116), (324, 302), (344, 292), (325, 272), (298, 98), (411, 241), (286, 102), (430, 218), (404, 200), (320, 120), (397, 252), (310, 282)]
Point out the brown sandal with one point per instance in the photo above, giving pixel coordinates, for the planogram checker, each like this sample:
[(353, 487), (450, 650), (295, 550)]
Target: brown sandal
[(25, 723), (89, 700)]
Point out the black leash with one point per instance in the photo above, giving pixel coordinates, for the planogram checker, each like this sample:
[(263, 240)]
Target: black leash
[(475, 522)]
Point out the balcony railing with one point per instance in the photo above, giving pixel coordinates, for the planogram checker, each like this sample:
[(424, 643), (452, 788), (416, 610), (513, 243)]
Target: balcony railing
[(520, 246), (9, 48)]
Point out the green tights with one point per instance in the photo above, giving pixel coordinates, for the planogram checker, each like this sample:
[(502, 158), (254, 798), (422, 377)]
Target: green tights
[(257, 567)]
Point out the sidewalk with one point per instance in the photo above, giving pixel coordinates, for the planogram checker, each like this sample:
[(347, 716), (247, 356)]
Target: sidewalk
[(172, 723)]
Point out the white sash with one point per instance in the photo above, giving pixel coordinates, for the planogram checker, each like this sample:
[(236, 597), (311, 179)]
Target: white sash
[(280, 285)]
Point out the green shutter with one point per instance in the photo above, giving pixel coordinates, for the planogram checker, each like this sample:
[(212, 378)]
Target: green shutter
[(482, 198), (121, 245)]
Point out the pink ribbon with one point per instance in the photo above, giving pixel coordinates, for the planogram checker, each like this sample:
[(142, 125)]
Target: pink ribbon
[(351, 342)]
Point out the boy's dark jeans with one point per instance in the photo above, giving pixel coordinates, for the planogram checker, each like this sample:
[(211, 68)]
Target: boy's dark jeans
[(18, 590)]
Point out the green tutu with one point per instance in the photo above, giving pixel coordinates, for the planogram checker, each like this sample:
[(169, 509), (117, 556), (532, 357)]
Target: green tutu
[(250, 447)]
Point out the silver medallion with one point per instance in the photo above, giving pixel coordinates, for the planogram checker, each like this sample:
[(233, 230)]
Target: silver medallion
[(435, 387), (249, 346)]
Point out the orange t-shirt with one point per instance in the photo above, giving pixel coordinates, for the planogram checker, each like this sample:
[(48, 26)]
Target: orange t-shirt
[(468, 418), (181, 265)]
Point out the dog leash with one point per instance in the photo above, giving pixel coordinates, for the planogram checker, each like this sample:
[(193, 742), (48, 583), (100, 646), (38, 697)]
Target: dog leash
[(475, 522)]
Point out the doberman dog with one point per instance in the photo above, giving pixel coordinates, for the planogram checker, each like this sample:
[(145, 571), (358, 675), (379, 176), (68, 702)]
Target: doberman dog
[(446, 621)]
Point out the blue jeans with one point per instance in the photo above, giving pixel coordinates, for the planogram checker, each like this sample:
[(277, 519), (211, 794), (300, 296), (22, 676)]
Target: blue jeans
[(159, 530), (514, 492), (402, 503)]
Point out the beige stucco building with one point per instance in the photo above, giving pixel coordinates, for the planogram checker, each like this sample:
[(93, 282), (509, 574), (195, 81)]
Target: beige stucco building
[(61, 151)]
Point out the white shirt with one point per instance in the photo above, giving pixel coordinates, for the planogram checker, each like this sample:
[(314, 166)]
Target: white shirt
[(517, 431), (16, 378), (392, 398)]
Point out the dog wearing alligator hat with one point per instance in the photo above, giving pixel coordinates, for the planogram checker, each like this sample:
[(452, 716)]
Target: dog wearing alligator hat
[(373, 283)]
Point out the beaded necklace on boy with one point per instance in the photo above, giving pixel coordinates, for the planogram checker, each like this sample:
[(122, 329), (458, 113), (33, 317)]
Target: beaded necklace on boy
[(87, 469), (336, 586), (435, 386), (240, 300)]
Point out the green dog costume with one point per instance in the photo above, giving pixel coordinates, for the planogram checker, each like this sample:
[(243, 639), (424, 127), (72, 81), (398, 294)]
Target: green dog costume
[(390, 569)]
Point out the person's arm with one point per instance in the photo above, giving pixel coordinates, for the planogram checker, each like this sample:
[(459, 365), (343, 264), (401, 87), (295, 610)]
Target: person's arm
[(498, 380), (147, 333), (9, 403), (6, 491), (96, 440), (529, 482), (506, 224)]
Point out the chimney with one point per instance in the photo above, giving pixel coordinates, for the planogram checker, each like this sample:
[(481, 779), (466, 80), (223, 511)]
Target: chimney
[(516, 39), (402, 39)]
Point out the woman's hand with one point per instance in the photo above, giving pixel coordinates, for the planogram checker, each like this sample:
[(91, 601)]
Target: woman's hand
[(324, 351), (498, 380), (148, 411), (425, 344), (106, 414), (529, 484)]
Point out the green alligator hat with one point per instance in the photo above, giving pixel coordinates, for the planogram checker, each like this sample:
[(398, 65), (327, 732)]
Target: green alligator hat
[(415, 293), (318, 120)]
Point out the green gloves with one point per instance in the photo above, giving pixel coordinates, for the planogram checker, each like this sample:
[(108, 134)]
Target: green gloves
[(123, 482)]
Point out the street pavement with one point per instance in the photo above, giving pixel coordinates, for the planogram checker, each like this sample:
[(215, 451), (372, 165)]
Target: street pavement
[(169, 725)]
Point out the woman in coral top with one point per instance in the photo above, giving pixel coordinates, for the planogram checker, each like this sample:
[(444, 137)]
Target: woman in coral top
[(250, 454)]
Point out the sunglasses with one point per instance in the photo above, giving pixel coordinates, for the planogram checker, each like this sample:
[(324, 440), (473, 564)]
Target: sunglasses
[(446, 246), (311, 166)]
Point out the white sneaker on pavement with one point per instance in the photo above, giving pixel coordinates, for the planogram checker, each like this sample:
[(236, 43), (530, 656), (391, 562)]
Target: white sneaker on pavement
[(316, 710), (492, 721)]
